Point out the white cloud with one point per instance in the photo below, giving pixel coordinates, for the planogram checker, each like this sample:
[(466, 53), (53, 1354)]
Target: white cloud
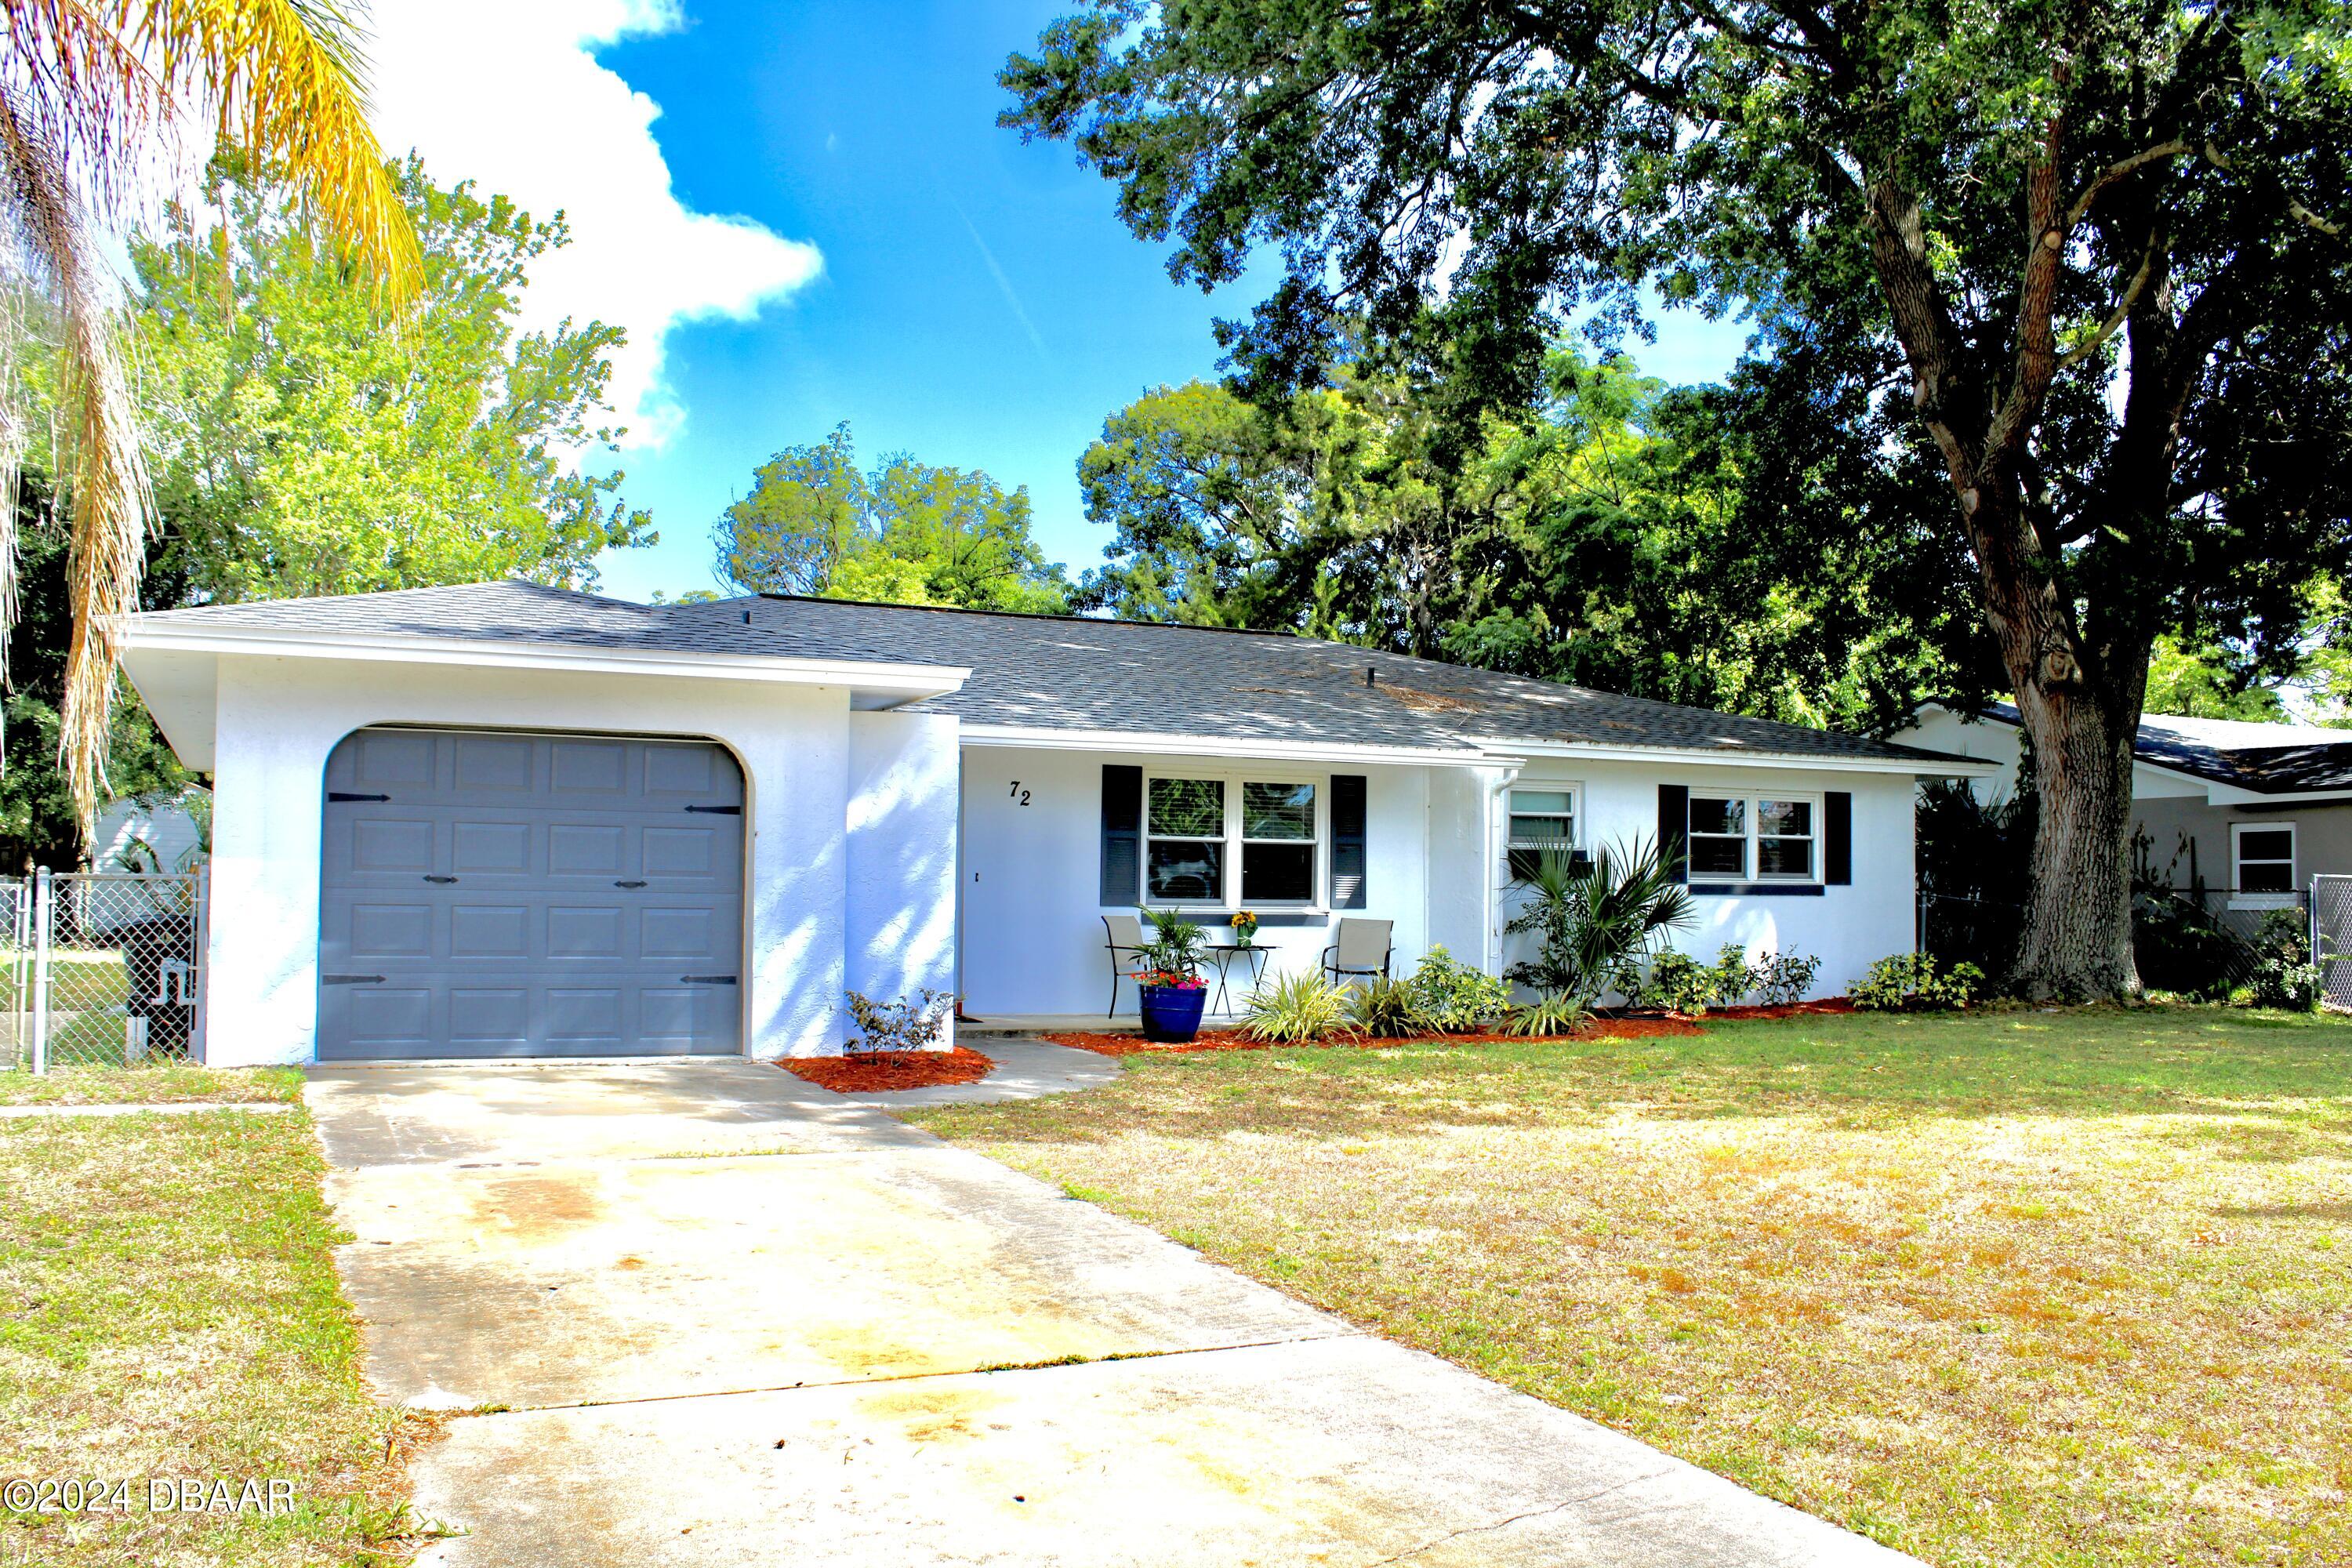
[(523, 107)]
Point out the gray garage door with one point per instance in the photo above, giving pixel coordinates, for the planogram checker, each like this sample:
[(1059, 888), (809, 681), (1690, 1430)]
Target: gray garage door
[(504, 895)]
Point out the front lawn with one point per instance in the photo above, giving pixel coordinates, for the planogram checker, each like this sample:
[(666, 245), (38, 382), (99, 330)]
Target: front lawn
[(2008, 1288), (169, 1309)]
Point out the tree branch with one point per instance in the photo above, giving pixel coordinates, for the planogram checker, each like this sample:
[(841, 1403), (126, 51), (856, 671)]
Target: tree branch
[(2117, 170), (2090, 345), (2295, 210)]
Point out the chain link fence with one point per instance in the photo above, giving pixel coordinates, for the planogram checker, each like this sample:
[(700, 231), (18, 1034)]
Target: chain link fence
[(2331, 940), (102, 968)]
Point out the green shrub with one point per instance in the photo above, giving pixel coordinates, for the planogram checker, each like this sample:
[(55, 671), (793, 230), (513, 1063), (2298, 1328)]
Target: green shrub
[(2284, 975), (1455, 997), (1388, 1009), (1558, 1014), (1297, 1010), (1785, 977), (1679, 982), (1732, 974), (1911, 983)]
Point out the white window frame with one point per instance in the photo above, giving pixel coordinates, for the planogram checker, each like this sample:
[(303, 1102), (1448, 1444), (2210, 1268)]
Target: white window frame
[(1752, 873), (1513, 844), (2282, 901), (1233, 779)]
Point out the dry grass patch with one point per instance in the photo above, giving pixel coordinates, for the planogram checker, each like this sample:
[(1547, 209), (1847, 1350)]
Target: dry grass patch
[(169, 1308), (154, 1083), (2018, 1289)]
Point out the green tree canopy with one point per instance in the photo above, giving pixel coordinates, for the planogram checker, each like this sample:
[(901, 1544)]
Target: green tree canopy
[(1607, 535), (905, 532), (2090, 254), (307, 442)]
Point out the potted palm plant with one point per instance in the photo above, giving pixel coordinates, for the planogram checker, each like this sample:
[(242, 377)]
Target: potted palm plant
[(1169, 981)]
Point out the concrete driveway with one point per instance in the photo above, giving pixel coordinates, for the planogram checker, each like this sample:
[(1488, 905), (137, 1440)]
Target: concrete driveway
[(706, 1314)]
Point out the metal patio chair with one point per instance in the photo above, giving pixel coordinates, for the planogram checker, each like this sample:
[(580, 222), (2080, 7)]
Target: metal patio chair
[(1122, 939), (1362, 951)]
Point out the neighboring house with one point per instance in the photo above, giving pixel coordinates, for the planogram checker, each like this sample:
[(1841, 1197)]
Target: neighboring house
[(504, 820), (2251, 812), (140, 833)]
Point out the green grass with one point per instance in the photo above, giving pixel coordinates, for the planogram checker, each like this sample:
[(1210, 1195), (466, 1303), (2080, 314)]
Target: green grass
[(150, 1083), (169, 1308), (77, 981), (2014, 1287)]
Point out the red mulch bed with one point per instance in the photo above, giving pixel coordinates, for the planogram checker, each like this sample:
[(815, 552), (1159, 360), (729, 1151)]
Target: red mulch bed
[(874, 1072), (1235, 1040), (1785, 1009)]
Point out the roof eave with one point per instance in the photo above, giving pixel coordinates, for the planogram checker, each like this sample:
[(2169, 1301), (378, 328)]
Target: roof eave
[(1162, 743), (897, 682), (1923, 765)]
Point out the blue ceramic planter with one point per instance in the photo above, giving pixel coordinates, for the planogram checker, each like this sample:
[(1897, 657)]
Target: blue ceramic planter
[(1171, 1014)]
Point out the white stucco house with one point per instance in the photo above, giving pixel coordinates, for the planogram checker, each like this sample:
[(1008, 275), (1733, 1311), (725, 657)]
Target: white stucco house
[(507, 820)]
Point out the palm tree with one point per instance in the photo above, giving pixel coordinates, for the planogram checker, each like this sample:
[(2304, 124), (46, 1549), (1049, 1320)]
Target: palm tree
[(94, 95), (1594, 918)]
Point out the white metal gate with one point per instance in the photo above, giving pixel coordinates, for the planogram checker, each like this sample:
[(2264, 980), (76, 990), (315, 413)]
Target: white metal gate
[(101, 969), (2331, 940)]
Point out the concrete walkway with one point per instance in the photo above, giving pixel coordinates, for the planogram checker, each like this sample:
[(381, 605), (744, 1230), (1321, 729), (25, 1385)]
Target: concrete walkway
[(713, 1315)]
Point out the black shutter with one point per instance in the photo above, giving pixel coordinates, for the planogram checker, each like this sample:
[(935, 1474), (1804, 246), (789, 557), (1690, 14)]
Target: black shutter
[(1674, 830), (1837, 831), (1348, 841), (1122, 836)]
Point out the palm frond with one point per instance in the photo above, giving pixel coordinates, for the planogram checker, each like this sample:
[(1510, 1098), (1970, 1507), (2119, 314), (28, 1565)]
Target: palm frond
[(82, 86), (288, 80), (50, 237)]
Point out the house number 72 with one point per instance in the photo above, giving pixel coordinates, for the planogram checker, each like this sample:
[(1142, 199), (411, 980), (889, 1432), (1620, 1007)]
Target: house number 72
[(1019, 794)]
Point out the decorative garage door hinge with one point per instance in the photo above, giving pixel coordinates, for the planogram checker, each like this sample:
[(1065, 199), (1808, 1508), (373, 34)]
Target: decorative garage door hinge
[(350, 980), (707, 979), (717, 810), (346, 795)]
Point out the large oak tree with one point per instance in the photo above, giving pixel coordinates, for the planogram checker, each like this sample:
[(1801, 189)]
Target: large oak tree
[(2099, 245)]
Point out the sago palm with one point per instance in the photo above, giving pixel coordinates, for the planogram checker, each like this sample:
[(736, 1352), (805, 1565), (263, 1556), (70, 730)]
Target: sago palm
[(96, 96)]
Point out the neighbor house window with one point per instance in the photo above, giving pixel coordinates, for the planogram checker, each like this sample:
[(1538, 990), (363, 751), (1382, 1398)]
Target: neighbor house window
[(1195, 828), (1543, 821), (1753, 838), (2264, 853)]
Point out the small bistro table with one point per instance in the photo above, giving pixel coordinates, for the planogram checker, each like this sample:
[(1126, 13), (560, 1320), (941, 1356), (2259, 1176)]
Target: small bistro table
[(1222, 954)]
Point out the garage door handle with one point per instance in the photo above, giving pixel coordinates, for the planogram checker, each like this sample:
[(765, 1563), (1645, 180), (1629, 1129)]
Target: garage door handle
[(350, 980), (707, 979), (433, 878), (638, 883)]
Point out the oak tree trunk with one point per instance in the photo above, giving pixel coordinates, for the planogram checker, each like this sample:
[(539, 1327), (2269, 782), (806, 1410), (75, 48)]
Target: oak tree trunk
[(2077, 942)]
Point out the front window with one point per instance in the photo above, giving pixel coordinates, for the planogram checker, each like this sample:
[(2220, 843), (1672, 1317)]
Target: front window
[(1196, 829), (1718, 837), (2265, 861), (1757, 837), (1277, 843), (1543, 821), (1784, 839), (1185, 841)]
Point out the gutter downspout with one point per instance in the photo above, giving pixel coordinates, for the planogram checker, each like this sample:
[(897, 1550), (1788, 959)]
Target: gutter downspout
[(1490, 903)]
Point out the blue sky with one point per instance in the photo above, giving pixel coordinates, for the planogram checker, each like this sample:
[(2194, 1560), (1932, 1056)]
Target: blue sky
[(978, 302)]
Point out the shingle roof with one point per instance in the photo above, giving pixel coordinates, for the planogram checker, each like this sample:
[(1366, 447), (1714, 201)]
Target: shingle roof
[(1078, 674), (2268, 759)]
